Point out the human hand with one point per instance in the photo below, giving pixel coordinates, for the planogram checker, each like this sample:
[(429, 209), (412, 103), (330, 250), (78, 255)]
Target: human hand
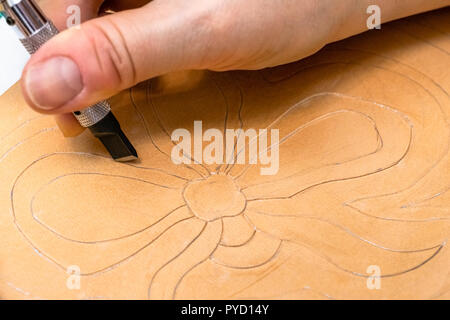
[(82, 66)]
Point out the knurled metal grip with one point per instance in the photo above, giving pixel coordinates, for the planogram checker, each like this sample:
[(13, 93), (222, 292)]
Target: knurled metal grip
[(37, 40), (92, 115), (87, 117)]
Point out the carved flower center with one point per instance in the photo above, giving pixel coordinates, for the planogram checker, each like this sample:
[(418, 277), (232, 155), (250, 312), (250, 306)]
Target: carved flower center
[(214, 197)]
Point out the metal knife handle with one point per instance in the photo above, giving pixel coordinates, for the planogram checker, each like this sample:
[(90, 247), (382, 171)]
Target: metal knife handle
[(87, 117)]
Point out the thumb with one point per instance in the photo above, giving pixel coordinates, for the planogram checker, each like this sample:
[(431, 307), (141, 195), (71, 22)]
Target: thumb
[(103, 56)]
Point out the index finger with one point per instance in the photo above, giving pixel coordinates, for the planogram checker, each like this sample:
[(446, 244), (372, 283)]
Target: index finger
[(60, 12)]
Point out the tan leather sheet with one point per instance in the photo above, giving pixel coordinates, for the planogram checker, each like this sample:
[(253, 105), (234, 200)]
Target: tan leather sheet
[(363, 186)]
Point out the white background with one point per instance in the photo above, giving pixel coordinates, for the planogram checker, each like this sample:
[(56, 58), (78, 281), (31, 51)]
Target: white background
[(13, 57)]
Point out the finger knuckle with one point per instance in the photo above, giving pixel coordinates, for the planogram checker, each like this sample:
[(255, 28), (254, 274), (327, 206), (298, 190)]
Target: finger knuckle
[(112, 52)]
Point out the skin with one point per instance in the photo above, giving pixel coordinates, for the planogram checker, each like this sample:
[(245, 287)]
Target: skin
[(149, 39)]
